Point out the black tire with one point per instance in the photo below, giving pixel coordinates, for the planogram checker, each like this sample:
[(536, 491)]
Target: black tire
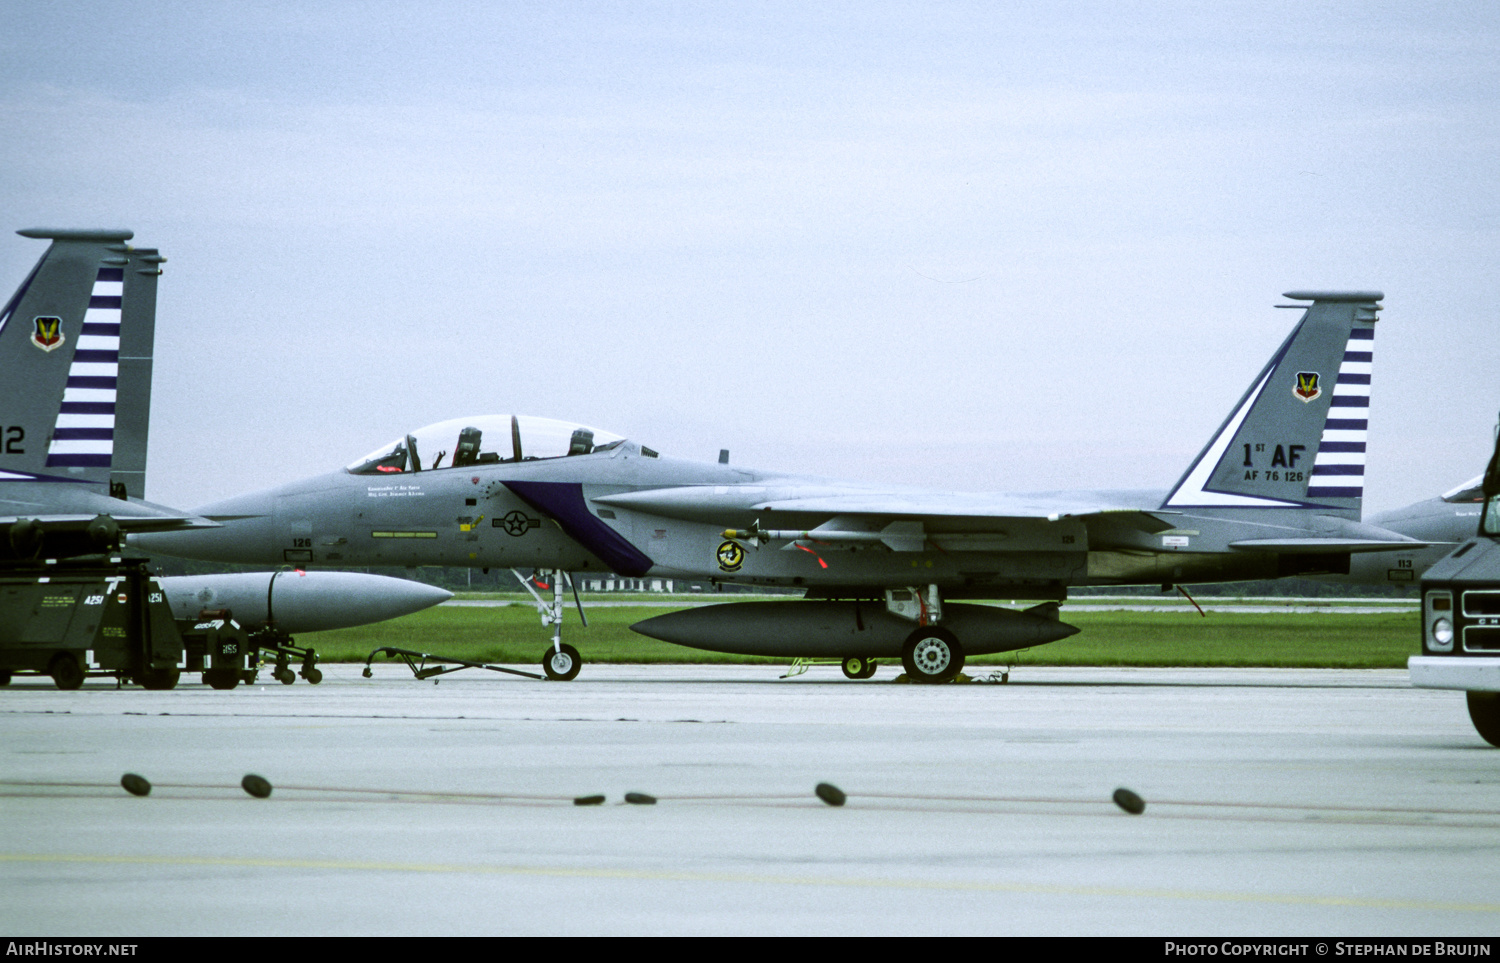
[(159, 679), (4, 677), (561, 665), (65, 671), (932, 655), (1484, 712), (222, 678), (313, 676), (869, 670), (854, 667), (285, 676)]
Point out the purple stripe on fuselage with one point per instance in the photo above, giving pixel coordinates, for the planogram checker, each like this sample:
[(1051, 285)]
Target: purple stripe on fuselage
[(1349, 446), (564, 502), (1338, 469), (96, 356), (103, 329), (1346, 424), (1344, 379), (1366, 356), (111, 274), (1362, 334), (104, 301), (92, 381), (1335, 492), (1351, 401)]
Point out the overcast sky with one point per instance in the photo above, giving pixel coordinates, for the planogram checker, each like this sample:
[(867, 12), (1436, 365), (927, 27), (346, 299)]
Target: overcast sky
[(973, 246)]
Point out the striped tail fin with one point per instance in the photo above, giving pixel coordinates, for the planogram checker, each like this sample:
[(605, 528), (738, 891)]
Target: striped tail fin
[(1296, 439), (75, 363)]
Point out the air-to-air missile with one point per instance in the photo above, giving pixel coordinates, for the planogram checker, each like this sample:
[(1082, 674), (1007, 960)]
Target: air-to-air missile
[(298, 601)]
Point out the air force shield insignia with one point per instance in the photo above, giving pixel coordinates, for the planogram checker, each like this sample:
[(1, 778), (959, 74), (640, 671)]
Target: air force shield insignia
[(48, 334), (1307, 385)]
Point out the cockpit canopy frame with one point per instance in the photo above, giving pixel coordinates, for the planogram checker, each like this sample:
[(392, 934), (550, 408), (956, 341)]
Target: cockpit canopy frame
[(484, 440)]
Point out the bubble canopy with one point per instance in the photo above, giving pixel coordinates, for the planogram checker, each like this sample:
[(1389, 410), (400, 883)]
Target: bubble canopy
[(484, 440)]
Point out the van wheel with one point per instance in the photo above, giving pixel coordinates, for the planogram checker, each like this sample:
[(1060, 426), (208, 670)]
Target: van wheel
[(1484, 712)]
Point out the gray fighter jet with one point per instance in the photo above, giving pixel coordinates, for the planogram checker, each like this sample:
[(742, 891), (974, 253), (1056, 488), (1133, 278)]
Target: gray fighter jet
[(1441, 523), (76, 344), (1276, 492)]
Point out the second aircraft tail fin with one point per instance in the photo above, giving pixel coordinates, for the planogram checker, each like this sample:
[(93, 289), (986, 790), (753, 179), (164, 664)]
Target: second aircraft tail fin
[(75, 363), (1296, 439)]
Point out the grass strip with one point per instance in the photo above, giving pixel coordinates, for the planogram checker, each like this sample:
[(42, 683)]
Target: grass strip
[(514, 634)]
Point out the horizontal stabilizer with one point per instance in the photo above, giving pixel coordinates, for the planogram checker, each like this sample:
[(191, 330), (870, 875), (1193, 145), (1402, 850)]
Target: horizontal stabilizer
[(101, 235), (127, 523)]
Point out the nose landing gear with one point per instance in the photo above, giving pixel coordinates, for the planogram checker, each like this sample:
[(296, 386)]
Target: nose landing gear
[(560, 662)]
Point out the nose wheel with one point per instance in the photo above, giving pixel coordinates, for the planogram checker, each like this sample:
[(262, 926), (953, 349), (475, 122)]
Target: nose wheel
[(561, 662)]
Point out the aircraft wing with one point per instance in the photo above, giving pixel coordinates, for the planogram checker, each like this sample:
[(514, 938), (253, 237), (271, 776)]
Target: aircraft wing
[(907, 520), (1311, 546), (955, 505)]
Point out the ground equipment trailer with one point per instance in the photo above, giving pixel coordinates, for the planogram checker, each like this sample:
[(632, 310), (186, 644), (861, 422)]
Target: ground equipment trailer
[(73, 618)]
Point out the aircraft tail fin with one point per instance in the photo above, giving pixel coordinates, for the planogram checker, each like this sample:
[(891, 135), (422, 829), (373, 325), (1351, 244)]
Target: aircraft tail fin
[(76, 351), (1296, 439)]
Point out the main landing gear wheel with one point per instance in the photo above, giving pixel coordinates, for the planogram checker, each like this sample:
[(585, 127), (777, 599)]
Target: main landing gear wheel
[(313, 676), (65, 670), (160, 679), (284, 675), (222, 678), (857, 667), (932, 655), (561, 663), (1484, 712)]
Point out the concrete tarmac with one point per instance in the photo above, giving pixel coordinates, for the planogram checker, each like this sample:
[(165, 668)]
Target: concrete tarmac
[(1279, 802)]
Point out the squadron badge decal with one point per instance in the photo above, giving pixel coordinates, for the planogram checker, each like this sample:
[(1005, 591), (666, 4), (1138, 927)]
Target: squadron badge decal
[(731, 556), (1307, 385), (48, 334)]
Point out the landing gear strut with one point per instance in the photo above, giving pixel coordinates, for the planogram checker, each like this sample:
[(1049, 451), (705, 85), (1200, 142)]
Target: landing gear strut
[(931, 653), (560, 662)]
